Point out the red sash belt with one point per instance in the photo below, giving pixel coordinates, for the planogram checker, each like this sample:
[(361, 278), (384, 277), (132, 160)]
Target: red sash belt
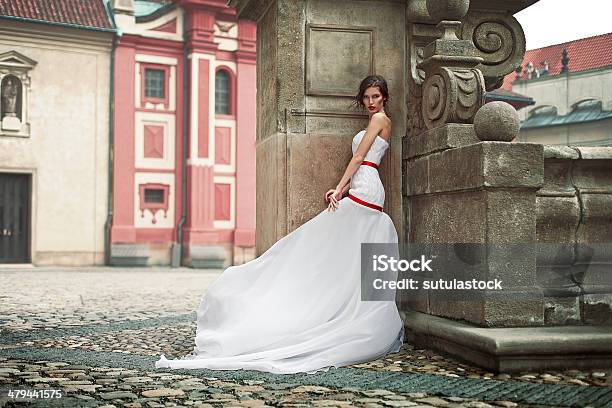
[(360, 201), (369, 163)]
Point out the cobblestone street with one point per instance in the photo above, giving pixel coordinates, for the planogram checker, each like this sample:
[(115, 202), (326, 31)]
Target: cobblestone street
[(94, 334)]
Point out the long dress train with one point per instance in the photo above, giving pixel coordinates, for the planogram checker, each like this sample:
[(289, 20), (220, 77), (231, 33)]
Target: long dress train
[(297, 307)]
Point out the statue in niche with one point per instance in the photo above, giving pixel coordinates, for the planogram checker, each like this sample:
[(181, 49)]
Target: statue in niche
[(11, 102)]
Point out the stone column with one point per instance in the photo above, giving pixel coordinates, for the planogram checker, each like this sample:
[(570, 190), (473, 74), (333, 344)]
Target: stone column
[(304, 87)]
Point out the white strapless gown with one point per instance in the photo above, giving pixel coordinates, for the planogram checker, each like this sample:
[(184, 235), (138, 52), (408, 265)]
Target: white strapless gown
[(297, 307)]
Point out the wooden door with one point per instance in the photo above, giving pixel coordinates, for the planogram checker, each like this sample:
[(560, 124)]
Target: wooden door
[(15, 198)]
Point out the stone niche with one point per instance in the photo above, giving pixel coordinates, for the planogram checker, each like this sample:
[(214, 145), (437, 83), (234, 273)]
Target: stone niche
[(14, 93)]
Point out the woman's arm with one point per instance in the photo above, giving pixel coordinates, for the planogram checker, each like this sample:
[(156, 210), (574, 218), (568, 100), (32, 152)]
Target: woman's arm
[(345, 188), (374, 128)]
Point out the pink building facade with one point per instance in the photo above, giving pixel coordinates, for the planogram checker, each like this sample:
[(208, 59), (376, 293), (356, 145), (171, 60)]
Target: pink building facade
[(184, 135)]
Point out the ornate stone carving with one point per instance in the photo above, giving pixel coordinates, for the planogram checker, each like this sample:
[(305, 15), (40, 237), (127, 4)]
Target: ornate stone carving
[(419, 36), (11, 96), (225, 26), (565, 61), (490, 40), (452, 95), (499, 40), (414, 120), (447, 9), (454, 89)]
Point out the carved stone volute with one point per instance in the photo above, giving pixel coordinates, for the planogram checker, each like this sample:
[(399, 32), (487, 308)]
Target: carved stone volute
[(454, 88), (499, 40), (496, 37)]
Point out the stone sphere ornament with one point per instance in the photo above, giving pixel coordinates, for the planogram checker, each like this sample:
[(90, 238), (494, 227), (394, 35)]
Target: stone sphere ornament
[(497, 121), (447, 9)]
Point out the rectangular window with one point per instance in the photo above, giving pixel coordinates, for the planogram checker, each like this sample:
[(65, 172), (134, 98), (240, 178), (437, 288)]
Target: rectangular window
[(222, 93), (221, 102), (153, 195), (155, 83)]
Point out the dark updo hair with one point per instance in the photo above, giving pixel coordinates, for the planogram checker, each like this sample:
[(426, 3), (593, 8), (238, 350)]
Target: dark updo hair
[(369, 81)]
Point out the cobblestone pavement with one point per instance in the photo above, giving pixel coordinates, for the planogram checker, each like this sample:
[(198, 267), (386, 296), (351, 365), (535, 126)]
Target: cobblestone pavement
[(94, 334)]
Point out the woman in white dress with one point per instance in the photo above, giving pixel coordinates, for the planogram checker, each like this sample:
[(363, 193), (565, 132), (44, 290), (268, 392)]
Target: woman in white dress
[(297, 307)]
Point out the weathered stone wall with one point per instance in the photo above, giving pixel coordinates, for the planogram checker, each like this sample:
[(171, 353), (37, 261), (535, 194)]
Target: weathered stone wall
[(462, 190), (574, 207), (305, 88), (270, 147)]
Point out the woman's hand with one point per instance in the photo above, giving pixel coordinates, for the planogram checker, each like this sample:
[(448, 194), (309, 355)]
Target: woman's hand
[(333, 196)]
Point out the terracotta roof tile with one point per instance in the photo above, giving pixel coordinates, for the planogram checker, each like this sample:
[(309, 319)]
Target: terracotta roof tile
[(85, 13), (584, 54)]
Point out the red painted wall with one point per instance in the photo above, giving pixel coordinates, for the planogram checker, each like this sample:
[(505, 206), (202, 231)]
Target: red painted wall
[(207, 201)]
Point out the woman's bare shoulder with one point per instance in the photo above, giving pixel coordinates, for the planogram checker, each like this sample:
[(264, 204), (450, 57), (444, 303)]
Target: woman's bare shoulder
[(382, 120)]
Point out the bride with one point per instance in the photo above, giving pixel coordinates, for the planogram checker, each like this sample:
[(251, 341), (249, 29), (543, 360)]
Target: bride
[(297, 307)]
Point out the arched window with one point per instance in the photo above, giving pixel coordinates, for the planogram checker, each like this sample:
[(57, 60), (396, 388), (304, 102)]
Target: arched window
[(587, 104), (222, 92), (543, 110)]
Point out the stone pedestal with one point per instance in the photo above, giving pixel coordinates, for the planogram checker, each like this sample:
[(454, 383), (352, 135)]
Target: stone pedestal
[(480, 193), (11, 123), (555, 313)]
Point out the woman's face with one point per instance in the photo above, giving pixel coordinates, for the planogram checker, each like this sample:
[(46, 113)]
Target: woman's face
[(373, 100)]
